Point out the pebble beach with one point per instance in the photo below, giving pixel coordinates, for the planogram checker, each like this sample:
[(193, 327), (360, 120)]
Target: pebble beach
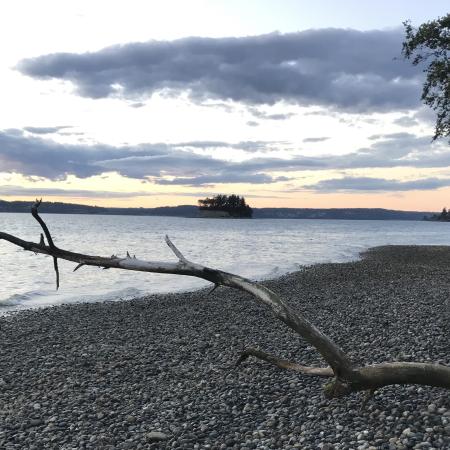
[(158, 372)]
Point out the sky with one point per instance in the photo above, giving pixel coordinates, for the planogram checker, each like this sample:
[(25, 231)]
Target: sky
[(151, 103)]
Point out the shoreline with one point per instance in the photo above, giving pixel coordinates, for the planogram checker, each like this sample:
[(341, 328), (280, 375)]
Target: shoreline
[(5, 310), (114, 374)]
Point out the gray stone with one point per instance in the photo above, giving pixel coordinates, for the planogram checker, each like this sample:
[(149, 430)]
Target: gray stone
[(154, 436)]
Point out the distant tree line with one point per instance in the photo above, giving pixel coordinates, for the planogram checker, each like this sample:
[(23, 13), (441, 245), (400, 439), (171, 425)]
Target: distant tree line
[(234, 205)]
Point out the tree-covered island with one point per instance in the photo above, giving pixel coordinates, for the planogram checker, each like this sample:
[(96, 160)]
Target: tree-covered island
[(225, 206)]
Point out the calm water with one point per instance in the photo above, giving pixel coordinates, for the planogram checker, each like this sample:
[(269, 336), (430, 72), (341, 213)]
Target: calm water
[(254, 248)]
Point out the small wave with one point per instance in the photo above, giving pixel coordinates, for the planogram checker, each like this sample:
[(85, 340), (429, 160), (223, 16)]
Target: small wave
[(6, 302), (19, 299)]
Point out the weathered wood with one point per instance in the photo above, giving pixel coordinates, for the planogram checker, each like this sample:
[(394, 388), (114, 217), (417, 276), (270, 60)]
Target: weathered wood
[(34, 213), (285, 364), (346, 377)]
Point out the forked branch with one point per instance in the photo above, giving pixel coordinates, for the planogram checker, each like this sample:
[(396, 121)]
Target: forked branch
[(346, 377), (285, 364)]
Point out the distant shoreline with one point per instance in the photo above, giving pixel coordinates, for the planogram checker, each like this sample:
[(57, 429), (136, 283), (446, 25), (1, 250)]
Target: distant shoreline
[(191, 211)]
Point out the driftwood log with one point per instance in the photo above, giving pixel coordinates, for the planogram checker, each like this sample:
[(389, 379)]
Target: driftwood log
[(345, 377)]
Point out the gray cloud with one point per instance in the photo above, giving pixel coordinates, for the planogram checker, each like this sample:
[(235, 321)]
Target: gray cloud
[(246, 146), (252, 123), (205, 144), (14, 131), (71, 133), (172, 163), (393, 150), (137, 105), (267, 116), (277, 116), (400, 135), (36, 157), (46, 130), (316, 139), (12, 190), (347, 69), (425, 115), (367, 184), (177, 164), (32, 156), (406, 121), (225, 177)]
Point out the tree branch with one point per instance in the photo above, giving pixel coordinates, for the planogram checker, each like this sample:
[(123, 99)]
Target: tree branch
[(177, 252), (284, 363), (34, 213)]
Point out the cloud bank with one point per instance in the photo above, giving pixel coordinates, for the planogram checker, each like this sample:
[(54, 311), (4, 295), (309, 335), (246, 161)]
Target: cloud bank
[(13, 190), (354, 71), (368, 184), (46, 130), (159, 162), (178, 164)]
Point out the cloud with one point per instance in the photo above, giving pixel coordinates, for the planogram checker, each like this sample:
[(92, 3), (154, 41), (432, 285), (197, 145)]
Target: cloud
[(367, 184), (246, 146), (392, 150), (45, 130), (179, 164), (226, 177), (137, 105), (316, 139), (37, 157), (11, 190), (14, 131), (400, 135), (14, 191), (252, 123), (205, 144), (406, 121), (259, 114), (346, 69), (33, 156)]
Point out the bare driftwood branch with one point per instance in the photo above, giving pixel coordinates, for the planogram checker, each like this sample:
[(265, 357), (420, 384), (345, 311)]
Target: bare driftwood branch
[(345, 376), (34, 213), (285, 364)]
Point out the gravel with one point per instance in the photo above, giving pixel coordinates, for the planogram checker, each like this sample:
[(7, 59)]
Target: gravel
[(158, 372)]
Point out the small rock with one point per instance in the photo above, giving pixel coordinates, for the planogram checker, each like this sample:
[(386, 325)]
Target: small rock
[(155, 436), (35, 422)]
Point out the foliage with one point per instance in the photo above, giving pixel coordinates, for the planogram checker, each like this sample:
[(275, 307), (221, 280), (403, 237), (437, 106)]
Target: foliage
[(233, 204), (444, 216), (431, 43)]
